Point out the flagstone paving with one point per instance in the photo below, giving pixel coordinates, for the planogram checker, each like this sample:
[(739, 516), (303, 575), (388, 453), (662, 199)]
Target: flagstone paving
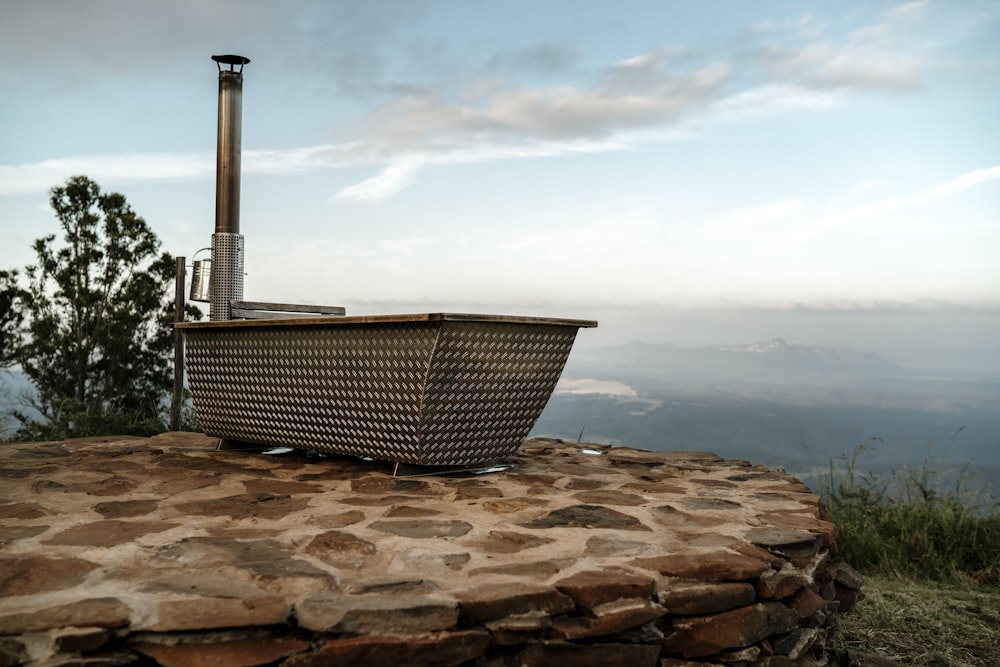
[(168, 550)]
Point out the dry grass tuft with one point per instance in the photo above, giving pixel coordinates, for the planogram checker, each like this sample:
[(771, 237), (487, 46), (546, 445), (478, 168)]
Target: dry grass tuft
[(925, 624)]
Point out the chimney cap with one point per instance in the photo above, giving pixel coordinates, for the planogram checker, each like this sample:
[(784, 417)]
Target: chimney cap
[(231, 60)]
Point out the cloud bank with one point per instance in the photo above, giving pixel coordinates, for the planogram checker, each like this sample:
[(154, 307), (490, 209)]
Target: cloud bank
[(482, 115)]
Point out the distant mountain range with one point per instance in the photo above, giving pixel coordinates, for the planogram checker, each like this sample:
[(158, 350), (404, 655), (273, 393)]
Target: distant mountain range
[(772, 360)]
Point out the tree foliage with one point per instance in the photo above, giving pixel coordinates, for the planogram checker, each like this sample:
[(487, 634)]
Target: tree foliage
[(96, 334), (10, 317)]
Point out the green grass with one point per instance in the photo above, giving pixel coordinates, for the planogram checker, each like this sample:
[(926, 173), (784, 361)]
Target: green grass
[(921, 523), (928, 543)]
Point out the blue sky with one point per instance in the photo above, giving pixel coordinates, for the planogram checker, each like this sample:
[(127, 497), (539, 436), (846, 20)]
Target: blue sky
[(540, 157)]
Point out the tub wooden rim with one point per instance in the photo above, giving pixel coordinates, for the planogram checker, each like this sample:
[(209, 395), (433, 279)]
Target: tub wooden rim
[(339, 320)]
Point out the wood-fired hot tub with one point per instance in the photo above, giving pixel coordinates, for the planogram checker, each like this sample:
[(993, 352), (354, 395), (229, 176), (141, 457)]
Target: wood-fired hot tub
[(424, 389)]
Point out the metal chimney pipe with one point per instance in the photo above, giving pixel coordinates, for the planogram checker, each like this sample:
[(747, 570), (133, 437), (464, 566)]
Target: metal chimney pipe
[(227, 242)]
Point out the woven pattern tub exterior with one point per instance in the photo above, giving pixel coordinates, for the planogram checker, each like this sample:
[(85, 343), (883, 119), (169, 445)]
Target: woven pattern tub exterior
[(427, 389)]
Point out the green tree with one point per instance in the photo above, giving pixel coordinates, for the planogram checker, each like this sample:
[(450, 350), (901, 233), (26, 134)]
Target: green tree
[(10, 317), (96, 316)]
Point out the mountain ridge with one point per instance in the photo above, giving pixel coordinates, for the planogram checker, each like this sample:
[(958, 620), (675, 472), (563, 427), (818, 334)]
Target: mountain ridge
[(772, 359)]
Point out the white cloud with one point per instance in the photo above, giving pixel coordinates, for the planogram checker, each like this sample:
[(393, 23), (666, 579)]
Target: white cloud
[(642, 93), (771, 99), (390, 180), (961, 182), (887, 207), (41, 176), (641, 61), (884, 54), (309, 158), (642, 98), (810, 222), (398, 174)]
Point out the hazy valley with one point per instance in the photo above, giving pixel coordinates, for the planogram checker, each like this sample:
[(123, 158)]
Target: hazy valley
[(783, 405)]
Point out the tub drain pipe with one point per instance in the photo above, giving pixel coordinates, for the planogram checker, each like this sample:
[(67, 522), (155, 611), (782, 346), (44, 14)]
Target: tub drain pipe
[(227, 242)]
